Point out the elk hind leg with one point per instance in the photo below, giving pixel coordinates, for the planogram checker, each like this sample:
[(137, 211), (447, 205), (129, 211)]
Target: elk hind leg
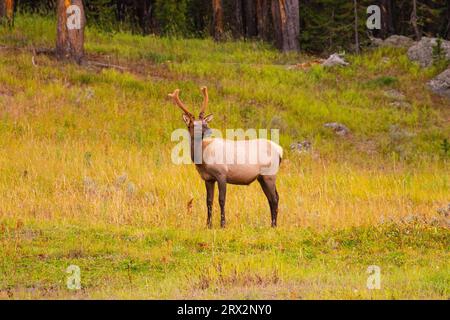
[(270, 190), (222, 196), (209, 200)]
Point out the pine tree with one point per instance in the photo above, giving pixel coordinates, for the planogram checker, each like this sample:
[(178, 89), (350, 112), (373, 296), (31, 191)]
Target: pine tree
[(70, 30), (7, 12)]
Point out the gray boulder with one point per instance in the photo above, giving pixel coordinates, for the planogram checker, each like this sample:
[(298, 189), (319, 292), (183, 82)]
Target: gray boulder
[(396, 41), (422, 51), (338, 128), (335, 60), (301, 146), (398, 99), (401, 105), (444, 211), (395, 95), (441, 84)]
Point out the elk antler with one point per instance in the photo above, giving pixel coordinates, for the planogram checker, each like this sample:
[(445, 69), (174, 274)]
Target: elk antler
[(176, 99), (205, 102)]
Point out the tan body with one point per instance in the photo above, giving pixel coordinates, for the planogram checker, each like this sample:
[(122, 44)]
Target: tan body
[(241, 162)]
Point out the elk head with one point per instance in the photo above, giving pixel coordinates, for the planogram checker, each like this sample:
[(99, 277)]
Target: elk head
[(189, 118)]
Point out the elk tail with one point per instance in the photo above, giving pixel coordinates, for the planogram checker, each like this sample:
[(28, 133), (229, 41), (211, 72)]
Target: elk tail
[(278, 149)]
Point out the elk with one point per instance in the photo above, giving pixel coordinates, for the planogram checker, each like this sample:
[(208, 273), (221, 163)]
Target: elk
[(246, 160)]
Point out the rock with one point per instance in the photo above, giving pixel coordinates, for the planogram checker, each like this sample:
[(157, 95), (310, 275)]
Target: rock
[(441, 84), (400, 99), (335, 60), (303, 146), (338, 128), (395, 94), (377, 42), (444, 211), (401, 104), (396, 41), (422, 51)]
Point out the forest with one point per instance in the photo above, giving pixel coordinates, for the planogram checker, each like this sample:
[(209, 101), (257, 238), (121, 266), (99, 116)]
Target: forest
[(319, 26)]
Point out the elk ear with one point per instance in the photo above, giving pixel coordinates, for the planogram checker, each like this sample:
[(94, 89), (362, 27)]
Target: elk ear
[(208, 118), (186, 119)]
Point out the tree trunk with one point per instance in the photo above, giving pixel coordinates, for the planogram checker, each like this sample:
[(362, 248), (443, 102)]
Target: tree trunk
[(70, 30), (286, 20), (355, 5), (238, 25), (414, 20), (249, 18), (447, 30), (387, 24), (217, 19), (144, 13), (263, 21), (7, 11)]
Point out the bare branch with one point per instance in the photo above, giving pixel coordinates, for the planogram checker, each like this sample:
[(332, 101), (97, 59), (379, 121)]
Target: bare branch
[(107, 65)]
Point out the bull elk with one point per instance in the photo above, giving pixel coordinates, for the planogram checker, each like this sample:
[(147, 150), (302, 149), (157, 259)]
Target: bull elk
[(240, 168)]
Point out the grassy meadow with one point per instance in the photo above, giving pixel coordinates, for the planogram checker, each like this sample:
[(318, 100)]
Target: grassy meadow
[(86, 176)]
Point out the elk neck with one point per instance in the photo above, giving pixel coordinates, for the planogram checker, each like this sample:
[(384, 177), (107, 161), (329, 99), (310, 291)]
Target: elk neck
[(202, 139)]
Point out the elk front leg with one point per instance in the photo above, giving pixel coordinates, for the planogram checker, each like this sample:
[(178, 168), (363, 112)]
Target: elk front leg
[(222, 195), (209, 200)]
